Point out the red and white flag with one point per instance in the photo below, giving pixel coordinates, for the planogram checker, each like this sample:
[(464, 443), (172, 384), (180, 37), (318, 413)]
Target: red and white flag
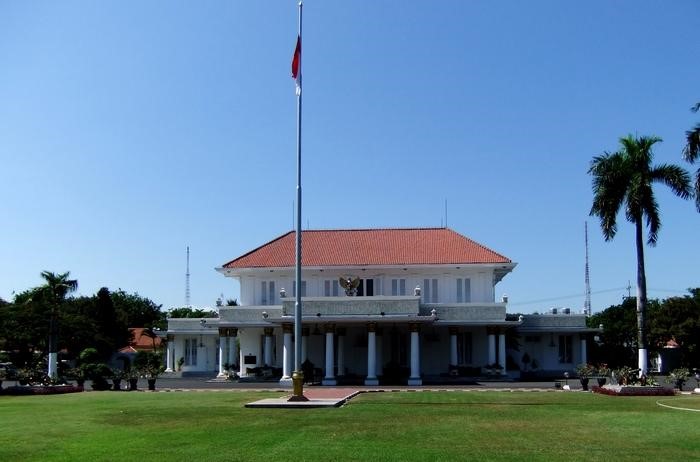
[(296, 65)]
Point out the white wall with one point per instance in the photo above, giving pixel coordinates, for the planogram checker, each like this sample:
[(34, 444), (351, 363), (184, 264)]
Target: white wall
[(482, 288)]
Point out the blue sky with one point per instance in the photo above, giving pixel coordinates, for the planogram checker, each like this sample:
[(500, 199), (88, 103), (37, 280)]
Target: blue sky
[(130, 130)]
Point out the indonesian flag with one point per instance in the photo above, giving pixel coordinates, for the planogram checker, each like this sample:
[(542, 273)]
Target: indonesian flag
[(296, 65)]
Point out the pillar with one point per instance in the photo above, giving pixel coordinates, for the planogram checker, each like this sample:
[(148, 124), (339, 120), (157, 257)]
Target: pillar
[(453, 346), (222, 352), (584, 355), (371, 355), (340, 332), (304, 344), (329, 378), (232, 333), (502, 351), (268, 347), (492, 346), (287, 354), (170, 354), (241, 357), (414, 379)]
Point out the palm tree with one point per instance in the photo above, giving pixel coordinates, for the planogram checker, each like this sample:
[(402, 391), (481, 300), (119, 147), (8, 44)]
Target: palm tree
[(625, 178), (56, 288), (691, 153)]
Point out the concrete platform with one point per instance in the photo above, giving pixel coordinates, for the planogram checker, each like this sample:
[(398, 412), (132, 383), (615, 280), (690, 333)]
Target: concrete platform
[(319, 397)]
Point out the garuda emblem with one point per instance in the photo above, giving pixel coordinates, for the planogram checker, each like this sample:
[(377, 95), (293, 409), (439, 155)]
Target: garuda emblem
[(350, 285)]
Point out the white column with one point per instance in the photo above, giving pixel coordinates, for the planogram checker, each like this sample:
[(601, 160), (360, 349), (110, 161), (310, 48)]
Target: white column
[(170, 357), (329, 379), (492, 347), (371, 355), (643, 364), (414, 379), (268, 347), (341, 351), (222, 352), (53, 365), (287, 354), (502, 352), (584, 352), (453, 346), (241, 356)]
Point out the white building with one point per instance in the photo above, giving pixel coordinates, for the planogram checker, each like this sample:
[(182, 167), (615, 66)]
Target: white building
[(425, 308)]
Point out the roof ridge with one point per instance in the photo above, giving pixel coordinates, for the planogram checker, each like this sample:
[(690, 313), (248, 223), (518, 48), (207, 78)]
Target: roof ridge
[(325, 230)]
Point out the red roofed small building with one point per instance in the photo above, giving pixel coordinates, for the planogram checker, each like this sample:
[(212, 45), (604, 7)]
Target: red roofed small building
[(141, 341), (377, 305)]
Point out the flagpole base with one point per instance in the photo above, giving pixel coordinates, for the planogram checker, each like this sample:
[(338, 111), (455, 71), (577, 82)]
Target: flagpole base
[(298, 387)]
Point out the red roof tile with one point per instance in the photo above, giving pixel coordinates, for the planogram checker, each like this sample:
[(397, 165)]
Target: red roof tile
[(369, 247), (140, 341)]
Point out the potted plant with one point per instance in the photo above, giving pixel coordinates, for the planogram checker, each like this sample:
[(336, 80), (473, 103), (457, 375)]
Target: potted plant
[(133, 377), (180, 362), (77, 374), (150, 365), (603, 373), (678, 377), (94, 369), (117, 377), (584, 372)]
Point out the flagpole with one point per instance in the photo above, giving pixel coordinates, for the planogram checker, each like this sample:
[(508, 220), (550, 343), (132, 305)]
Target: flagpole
[(298, 375)]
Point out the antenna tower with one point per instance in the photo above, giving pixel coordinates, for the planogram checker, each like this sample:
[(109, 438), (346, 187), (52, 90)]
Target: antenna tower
[(187, 279), (587, 303)]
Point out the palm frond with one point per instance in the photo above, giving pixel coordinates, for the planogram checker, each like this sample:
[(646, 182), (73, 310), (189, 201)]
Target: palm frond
[(673, 176), (691, 151), (697, 190), (650, 209), (609, 188)]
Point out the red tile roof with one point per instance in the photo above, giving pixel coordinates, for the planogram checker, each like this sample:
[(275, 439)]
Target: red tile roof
[(369, 247), (140, 341)]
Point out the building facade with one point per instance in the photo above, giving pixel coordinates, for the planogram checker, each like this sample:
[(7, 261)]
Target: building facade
[(390, 305)]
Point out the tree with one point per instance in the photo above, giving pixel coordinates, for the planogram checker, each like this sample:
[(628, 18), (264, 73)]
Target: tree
[(188, 312), (679, 319), (618, 342), (691, 153), (625, 178), (56, 288), (139, 311)]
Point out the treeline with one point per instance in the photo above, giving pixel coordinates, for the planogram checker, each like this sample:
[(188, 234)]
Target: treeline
[(100, 321), (673, 319)]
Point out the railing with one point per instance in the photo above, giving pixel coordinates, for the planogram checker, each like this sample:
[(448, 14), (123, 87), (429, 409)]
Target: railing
[(338, 306)]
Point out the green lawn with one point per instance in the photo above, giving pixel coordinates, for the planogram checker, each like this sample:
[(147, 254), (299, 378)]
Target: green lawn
[(433, 426)]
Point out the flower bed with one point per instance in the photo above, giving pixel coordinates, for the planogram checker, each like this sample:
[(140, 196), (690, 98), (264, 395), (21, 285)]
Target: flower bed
[(40, 390), (632, 390)]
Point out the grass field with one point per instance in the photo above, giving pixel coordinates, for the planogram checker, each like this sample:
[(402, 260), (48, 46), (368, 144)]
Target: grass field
[(432, 426)]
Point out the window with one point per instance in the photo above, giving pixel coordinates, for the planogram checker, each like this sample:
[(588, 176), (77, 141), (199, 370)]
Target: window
[(565, 349), (366, 288), (464, 348), (464, 290), (191, 351), (398, 287), (331, 288), (267, 293), (303, 288), (430, 291)]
